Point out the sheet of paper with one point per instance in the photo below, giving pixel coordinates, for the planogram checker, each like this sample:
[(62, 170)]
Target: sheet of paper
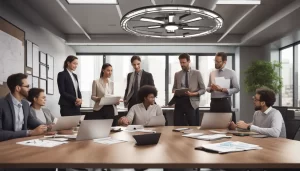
[(108, 141), (191, 135), (41, 143), (217, 132), (212, 137), (222, 82), (109, 100)]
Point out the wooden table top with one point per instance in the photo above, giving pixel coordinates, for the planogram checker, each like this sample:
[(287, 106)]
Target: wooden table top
[(172, 151)]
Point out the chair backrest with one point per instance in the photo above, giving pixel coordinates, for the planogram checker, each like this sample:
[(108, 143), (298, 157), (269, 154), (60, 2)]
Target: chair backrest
[(283, 110)]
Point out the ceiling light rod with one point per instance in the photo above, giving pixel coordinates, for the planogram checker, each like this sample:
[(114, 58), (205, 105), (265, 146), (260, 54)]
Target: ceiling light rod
[(97, 2), (192, 20), (152, 20), (245, 2)]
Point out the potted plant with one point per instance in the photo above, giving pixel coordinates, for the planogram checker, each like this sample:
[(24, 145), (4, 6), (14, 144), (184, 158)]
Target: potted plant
[(263, 73)]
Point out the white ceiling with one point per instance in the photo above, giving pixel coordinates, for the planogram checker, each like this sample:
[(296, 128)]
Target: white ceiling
[(102, 22)]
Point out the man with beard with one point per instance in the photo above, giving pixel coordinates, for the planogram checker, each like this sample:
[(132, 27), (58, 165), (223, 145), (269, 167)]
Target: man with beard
[(221, 96), (266, 120), (15, 116), (187, 105)]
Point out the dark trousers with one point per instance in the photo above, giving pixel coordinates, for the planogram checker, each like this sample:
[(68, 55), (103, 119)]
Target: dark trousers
[(69, 110), (184, 113), (106, 112), (222, 105)]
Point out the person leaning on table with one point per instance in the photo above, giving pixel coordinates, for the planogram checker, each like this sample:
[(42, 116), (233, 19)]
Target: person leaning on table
[(266, 120), (142, 113)]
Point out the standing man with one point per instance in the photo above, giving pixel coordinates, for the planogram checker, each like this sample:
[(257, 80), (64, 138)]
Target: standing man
[(135, 80), (221, 96), (186, 106)]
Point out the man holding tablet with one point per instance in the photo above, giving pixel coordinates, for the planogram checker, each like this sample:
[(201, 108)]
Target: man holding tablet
[(186, 103)]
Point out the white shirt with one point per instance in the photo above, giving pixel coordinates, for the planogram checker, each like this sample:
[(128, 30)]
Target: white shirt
[(139, 115), (74, 82)]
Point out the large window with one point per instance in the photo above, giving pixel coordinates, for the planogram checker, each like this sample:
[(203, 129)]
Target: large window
[(206, 65), (286, 58), (90, 67)]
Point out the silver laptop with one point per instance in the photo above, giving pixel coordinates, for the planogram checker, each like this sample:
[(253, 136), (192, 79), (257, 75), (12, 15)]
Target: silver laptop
[(216, 120), (66, 122), (93, 129)]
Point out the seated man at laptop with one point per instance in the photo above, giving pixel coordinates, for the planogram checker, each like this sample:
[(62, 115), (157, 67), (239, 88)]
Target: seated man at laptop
[(15, 116), (146, 113), (266, 120)]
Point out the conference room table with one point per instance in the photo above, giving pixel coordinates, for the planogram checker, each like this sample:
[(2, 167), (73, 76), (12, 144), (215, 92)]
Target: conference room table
[(172, 151)]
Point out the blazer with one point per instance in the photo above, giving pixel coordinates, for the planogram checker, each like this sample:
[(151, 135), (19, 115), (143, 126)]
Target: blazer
[(49, 117), (196, 84), (7, 119), (66, 89), (146, 79), (98, 90)]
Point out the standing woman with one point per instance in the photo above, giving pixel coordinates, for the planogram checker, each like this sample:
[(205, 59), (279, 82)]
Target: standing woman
[(103, 87), (70, 95)]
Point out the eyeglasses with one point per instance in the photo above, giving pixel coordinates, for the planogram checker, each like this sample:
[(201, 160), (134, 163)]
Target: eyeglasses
[(253, 97), (27, 86), (218, 62)]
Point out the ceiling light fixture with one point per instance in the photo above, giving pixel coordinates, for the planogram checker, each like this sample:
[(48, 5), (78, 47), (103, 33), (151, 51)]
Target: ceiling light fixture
[(175, 19), (241, 2), (98, 2)]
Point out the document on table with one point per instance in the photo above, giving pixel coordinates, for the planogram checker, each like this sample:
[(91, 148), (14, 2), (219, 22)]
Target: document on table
[(230, 146), (192, 135), (108, 141), (222, 82), (212, 137), (41, 143)]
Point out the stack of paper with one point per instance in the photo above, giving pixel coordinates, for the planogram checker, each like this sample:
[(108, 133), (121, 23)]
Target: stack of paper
[(107, 141), (231, 146), (42, 143), (212, 137)]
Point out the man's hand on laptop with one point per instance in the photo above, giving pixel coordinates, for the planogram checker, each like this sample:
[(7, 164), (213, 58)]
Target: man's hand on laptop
[(242, 125)]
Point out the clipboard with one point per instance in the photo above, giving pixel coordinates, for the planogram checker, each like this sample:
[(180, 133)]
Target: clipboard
[(109, 100), (181, 92)]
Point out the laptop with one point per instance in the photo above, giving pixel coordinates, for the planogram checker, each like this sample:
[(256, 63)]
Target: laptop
[(147, 139), (93, 129), (216, 120), (66, 122)]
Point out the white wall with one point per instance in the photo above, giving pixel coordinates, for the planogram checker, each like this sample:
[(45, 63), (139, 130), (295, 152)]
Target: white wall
[(47, 43)]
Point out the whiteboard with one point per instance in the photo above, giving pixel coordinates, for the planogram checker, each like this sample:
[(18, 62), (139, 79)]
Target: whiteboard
[(11, 56)]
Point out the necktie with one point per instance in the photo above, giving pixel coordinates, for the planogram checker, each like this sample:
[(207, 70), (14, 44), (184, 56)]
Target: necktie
[(186, 80), (136, 84)]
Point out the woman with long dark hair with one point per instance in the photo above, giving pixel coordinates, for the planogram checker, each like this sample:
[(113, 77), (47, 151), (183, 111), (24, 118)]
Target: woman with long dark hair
[(68, 86), (103, 87)]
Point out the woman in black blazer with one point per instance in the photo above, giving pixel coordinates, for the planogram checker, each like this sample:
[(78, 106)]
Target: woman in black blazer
[(68, 86)]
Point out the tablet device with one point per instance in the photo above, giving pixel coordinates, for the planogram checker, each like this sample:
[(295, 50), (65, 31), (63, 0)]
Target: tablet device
[(147, 139), (66, 122)]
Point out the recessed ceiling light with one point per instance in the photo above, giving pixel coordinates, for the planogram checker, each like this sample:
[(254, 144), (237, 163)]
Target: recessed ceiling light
[(247, 2), (110, 2), (171, 27)]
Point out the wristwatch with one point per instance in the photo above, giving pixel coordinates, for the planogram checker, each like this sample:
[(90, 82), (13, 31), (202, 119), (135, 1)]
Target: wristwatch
[(248, 128)]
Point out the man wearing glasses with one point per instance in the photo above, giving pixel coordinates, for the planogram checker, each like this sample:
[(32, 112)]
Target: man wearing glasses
[(15, 116), (221, 96), (266, 120)]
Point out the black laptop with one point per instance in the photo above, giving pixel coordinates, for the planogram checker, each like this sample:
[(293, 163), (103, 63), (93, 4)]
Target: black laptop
[(147, 139)]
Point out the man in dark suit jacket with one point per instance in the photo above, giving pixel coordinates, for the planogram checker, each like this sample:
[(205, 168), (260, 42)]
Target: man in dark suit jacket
[(68, 86), (15, 116), (135, 80)]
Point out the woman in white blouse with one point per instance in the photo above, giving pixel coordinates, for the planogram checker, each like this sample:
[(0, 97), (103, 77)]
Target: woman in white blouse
[(101, 88), (146, 113)]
